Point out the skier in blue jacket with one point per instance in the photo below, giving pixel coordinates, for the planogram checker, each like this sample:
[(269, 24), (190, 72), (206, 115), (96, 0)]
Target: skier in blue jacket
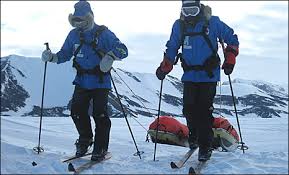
[(93, 49), (197, 32)]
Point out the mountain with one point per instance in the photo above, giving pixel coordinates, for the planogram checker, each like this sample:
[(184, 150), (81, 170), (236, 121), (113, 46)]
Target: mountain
[(22, 80)]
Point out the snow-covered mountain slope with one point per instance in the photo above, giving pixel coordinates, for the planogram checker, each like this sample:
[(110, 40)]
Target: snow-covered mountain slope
[(22, 78), (21, 88), (267, 153)]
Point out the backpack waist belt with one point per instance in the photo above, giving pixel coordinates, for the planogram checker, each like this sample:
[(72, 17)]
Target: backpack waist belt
[(94, 71), (210, 64)]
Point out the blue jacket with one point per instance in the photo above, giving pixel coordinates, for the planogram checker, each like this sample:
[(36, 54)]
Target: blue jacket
[(196, 49), (87, 58)]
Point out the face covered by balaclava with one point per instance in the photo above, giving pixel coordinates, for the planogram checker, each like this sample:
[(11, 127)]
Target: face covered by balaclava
[(190, 9), (82, 18)]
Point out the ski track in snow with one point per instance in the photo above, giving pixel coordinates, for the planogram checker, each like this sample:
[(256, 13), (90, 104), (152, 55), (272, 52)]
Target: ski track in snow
[(20, 134)]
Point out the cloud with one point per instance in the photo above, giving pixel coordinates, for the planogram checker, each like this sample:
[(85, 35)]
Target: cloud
[(145, 52), (144, 26), (28, 24), (134, 17), (261, 34)]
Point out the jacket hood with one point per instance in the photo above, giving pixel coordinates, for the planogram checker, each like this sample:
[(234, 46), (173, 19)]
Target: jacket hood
[(82, 8)]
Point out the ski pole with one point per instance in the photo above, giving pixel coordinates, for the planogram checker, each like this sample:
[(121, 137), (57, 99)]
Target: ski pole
[(138, 153), (243, 146), (159, 111), (39, 149)]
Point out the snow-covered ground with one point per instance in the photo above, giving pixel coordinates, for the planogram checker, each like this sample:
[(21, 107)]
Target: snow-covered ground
[(267, 140)]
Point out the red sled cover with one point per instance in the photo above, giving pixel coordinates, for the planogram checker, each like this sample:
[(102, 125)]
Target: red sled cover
[(171, 125)]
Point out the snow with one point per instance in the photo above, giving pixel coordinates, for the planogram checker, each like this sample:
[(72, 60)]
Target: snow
[(148, 87), (243, 87), (267, 140), (59, 88)]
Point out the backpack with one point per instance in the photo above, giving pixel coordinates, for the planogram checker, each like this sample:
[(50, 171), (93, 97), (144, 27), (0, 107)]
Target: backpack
[(94, 44), (213, 61)]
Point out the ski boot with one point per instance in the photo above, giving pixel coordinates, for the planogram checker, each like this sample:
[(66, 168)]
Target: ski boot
[(193, 145), (204, 154), (98, 155), (82, 147)]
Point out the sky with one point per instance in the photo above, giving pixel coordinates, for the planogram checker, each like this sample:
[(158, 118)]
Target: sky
[(145, 26)]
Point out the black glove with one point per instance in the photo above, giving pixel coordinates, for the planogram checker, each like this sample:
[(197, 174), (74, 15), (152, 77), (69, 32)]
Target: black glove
[(228, 68), (160, 74)]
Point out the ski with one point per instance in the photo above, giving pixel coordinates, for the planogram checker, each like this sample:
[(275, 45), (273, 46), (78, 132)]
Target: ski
[(68, 159), (198, 168), (88, 164), (184, 159)]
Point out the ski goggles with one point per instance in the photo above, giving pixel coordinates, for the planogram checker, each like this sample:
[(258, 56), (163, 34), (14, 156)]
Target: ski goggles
[(78, 19), (190, 11), (78, 22)]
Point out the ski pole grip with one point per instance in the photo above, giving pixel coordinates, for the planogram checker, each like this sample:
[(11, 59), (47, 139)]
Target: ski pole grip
[(47, 46)]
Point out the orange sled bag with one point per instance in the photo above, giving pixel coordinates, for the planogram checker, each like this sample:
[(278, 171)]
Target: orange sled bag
[(170, 131), (225, 135)]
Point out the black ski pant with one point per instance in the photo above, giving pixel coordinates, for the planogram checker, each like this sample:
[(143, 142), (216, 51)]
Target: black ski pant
[(79, 113), (198, 108)]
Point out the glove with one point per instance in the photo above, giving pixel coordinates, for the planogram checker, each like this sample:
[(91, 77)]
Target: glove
[(47, 55), (107, 61), (231, 53), (165, 67)]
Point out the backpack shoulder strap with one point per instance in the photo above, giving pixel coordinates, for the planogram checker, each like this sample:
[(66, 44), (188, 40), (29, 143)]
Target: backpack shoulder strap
[(81, 39), (101, 29), (205, 34), (94, 43), (98, 32), (207, 12), (182, 30), (182, 38)]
